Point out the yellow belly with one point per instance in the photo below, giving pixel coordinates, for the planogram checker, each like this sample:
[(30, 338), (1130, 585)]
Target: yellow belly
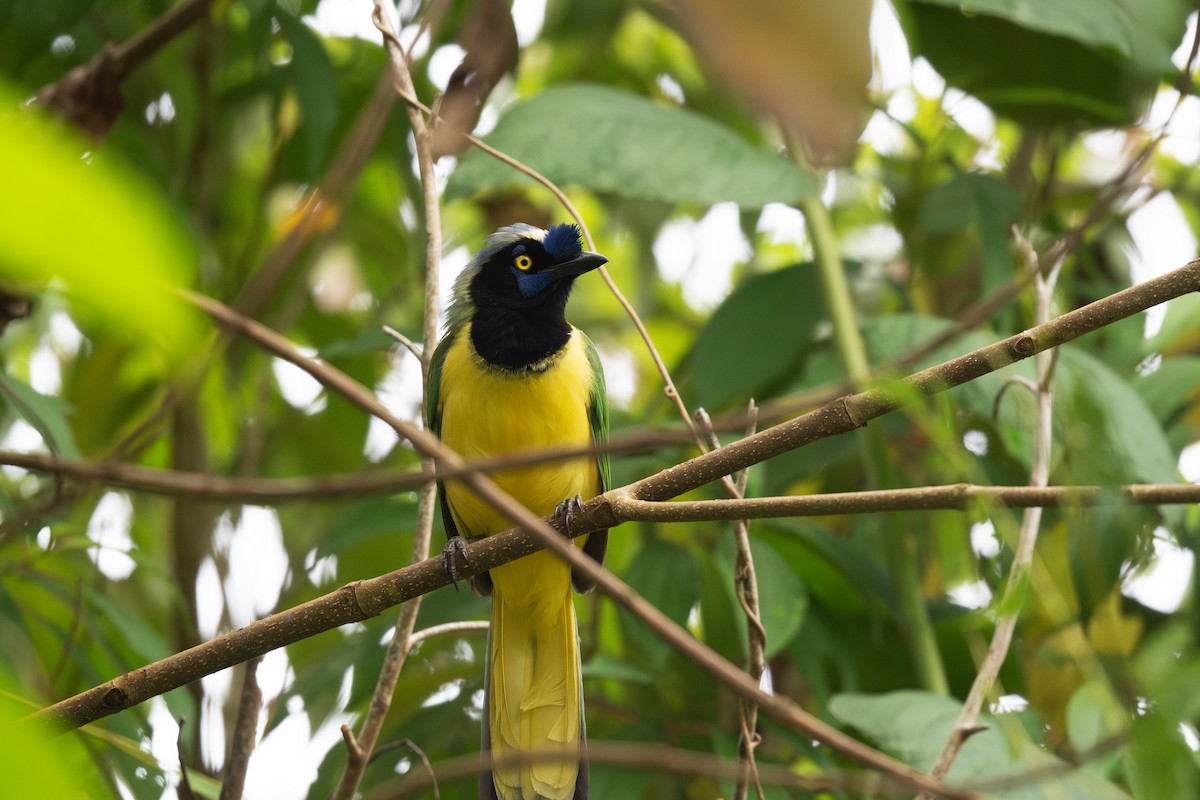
[(487, 411)]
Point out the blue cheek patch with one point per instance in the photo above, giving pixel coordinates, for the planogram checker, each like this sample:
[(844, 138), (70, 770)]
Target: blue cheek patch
[(530, 284)]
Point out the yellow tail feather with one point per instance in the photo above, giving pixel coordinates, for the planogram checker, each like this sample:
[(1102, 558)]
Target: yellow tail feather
[(534, 685)]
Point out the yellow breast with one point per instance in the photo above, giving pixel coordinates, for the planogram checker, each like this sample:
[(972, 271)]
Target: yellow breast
[(489, 411)]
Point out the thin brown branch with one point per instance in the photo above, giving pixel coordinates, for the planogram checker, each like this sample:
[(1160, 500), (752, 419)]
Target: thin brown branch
[(89, 95), (359, 756), (367, 598), (745, 587), (411, 745), (660, 759), (989, 669), (185, 785), (245, 734)]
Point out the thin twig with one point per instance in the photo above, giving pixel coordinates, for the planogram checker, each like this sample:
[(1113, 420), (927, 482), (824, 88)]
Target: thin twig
[(408, 343), (411, 745), (185, 786), (745, 587), (360, 748), (245, 734), (660, 759), (1039, 477)]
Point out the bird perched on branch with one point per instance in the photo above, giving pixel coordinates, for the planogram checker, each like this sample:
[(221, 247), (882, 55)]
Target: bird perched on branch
[(511, 373)]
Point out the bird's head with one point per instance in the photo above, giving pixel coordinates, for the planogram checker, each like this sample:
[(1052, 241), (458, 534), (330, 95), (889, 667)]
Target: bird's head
[(523, 267)]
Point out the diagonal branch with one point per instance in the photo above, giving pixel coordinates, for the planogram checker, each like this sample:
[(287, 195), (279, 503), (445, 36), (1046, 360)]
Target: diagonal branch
[(363, 599)]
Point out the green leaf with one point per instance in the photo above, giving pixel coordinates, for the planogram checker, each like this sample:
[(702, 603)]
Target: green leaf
[(756, 338), (1171, 388), (1158, 762), (1080, 63), (74, 215), (669, 578), (604, 667), (316, 90), (136, 632), (613, 141), (47, 415), (783, 600), (1110, 423), (914, 725), (1141, 32)]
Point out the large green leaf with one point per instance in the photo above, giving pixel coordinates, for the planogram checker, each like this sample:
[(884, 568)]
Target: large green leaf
[(1095, 62), (316, 90), (614, 141), (755, 339), (669, 578), (82, 219), (914, 725)]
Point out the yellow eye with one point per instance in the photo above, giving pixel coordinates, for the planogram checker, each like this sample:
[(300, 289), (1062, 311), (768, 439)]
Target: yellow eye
[(523, 263)]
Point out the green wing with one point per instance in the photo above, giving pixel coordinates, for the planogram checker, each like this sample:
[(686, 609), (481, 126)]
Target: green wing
[(433, 391), (598, 412), (433, 414)]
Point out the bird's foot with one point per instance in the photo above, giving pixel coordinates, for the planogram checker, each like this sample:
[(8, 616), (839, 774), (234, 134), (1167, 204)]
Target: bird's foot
[(567, 511), (456, 546)]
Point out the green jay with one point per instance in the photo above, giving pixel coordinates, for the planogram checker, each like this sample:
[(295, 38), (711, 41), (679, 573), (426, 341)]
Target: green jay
[(511, 373)]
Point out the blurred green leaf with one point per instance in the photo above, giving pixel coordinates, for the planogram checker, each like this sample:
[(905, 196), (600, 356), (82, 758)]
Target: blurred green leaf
[(316, 90), (614, 141), (47, 415), (782, 599), (76, 215), (771, 314), (668, 577), (914, 725)]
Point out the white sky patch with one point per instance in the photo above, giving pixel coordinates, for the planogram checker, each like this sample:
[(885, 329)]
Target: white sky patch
[(299, 389), (109, 528), (528, 17), (64, 336), (884, 134), (44, 538), (783, 224), (45, 372), (23, 438), (972, 594), (983, 539), (767, 681), (976, 441), (1190, 736), (258, 564), (926, 80), (1180, 57), (285, 762), (1104, 155), (1189, 463), (1162, 242), (878, 243), (444, 694), (344, 18), (275, 675), (620, 375), (400, 392), (1182, 141), (210, 602), (320, 570), (701, 255), (1163, 584), (212, 721), (971, 115), (164, 733), (442, 64), (1009, 703), (669, 87), (889, 50)]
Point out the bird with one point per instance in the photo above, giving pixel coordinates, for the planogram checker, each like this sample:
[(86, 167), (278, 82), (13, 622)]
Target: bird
[(510, 373)]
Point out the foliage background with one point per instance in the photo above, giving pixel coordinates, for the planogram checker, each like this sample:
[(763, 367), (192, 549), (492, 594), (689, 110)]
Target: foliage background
[(665, 121)]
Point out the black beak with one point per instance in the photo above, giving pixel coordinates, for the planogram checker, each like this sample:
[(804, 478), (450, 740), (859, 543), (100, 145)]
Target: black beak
[(584, 262)]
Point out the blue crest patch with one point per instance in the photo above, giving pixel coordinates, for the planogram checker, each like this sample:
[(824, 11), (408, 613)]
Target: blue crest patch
[(562, 242)]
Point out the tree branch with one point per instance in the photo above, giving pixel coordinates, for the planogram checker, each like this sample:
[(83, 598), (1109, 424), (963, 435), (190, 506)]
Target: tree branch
[(363, 599)]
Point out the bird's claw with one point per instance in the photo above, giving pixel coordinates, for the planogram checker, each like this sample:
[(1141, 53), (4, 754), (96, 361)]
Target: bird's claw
[(455, 546), (567, 510)]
